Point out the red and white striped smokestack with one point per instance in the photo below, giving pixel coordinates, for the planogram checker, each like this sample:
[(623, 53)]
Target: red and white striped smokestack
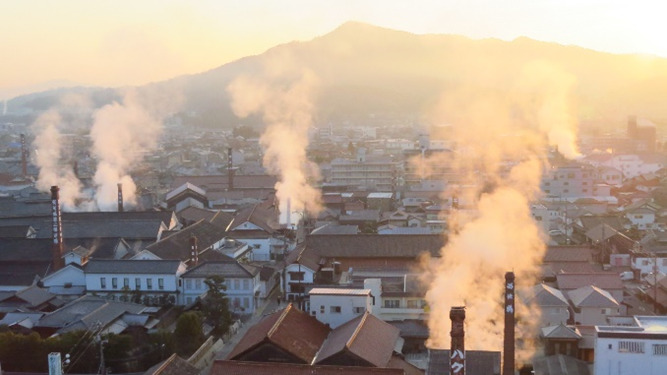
[(508, 347), (457, 352), (24, 157), (194, 251), (57, 230), (230, 170), (120, 197)]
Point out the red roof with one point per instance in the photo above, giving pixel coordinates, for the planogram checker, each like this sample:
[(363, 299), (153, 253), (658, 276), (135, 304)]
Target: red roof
[(271, 368)]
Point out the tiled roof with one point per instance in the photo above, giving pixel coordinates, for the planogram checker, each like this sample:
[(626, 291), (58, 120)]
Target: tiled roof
[(220, 183), (160, 267), (591, 296), (545, 295), (227, 269), (35, 295), (271, 368), (177, 245), (174, 365), (366, 336), (560, 332), (331, 228), (88, 310), (292, 330), (15, 231), (371, 245), (606, 281), (266, 219), (567, 254)]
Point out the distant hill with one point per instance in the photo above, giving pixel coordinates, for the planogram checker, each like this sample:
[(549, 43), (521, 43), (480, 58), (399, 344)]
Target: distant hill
[(366, 69)]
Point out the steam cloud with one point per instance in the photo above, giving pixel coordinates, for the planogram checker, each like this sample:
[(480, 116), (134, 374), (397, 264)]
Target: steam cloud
[(54, 166), (501, 146), (283, 94), (122, 133)]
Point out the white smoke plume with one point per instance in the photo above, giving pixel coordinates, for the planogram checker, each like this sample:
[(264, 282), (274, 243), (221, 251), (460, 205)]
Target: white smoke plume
[(501, 149), (122, 133), (4, 107), (283, 93), (50, 157)]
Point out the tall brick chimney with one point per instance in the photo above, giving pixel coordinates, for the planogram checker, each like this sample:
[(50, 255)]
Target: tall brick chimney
[(57, 230), (230, 170), (508, 347), (24, 157), (120, 197), (194, 251), (457, 352)]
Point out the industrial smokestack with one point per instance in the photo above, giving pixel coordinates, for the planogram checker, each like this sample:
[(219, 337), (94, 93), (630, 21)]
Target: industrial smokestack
[(457, 352), (24, 157), (194, 251), (289, 213), (120, 197), (230, 169), (75, 169), (57, 230), (508, 348)]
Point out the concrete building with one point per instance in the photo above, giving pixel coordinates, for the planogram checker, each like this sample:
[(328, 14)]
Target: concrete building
[(334, 306)]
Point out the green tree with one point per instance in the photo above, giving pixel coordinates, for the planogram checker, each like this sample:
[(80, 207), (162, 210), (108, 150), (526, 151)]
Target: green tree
[(188, 335), (216, 305)]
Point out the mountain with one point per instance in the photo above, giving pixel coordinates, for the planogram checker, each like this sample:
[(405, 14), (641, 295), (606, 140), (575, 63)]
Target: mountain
[(364, 69)]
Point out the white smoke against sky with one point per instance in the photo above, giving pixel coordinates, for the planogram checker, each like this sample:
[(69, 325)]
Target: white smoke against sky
[(122, 133), (502, 143), (283, 93), (50, 157)]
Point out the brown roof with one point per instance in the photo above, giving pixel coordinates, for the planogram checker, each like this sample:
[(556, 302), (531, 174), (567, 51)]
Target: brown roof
[(607, 281), (366, 336), (567, 254), (177, 245), (173, 365), (271, 368), (306, 258), (372, 245), (291, 329)]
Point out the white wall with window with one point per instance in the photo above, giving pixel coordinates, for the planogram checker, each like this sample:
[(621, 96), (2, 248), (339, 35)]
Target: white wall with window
[(336, 306), (640, 349), (395, 305)]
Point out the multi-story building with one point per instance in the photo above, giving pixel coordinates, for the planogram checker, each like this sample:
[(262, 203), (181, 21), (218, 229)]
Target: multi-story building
[(573, 182), (374, 173), (334, 306)]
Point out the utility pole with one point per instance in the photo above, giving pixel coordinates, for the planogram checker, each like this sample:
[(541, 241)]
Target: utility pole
[(103, 366)]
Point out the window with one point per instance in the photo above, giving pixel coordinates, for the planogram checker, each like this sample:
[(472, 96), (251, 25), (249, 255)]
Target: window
[(237, 284), (246, 302), (188, 284), (413, 304), (659, 349), (256, 246), (246, 284), (630, 347), (137, 283), (160, 283), (103, 282), (392, 303), (149, 284), (639, 216), (359, 310), (197, 283), (126, 282), (114, 283), (321, 309), (299, 276), (334, 309)]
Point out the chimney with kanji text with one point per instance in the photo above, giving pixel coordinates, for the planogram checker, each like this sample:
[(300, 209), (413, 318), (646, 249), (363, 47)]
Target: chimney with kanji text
[(508, 347), (57, 230), (457, 352)]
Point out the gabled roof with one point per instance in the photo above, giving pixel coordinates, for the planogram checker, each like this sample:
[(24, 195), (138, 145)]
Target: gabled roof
[(183, 188), (592, 296), (366, 336), (16, 231), (272, 368), (374, 246), (177, 245), (331, 228), (560, 254), (227, 269), (305, 258), (545, 295), (85, 312), (291, 329), (153, 267), (560, 332), (614, 221), (602, 232), (266, 219), (35, 295), (174, 365)]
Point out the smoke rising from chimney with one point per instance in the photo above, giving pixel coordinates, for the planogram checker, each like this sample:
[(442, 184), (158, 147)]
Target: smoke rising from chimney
[(122, 133), (283, 93), (501, 143)]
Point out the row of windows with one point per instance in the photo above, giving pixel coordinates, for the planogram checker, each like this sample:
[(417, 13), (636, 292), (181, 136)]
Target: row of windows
[(337, 310), (638, 347), (126, 283), (231, 285), (412, 303)]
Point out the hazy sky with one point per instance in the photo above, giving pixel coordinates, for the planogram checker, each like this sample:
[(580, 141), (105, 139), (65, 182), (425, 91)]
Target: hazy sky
[(133, 42)]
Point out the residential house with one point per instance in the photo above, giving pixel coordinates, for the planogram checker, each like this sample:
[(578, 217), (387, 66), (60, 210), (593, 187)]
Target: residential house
[(609, 282), (335, 306), (554, 306), (592, 305), (642, 214), (242, 284), (259, 228), (301, 267)]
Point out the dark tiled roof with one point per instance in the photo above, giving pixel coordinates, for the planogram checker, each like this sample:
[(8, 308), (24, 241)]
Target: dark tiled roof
[(220, 183), (167, 267), (22, 273), (222, 219), (177, 245), (227, 269), (567, 254), (35, 295), (267, 368), (194, 214), (16, 231), (174, 365), (290, 329), (264, 218), (607, 281), (366, 336), (371, 245), (308, 258), (88, 310)]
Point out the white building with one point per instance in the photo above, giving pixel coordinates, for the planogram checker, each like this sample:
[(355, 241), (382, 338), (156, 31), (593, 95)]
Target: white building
[(156, 281), (640, 349), (337, 306), (396, 305)]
